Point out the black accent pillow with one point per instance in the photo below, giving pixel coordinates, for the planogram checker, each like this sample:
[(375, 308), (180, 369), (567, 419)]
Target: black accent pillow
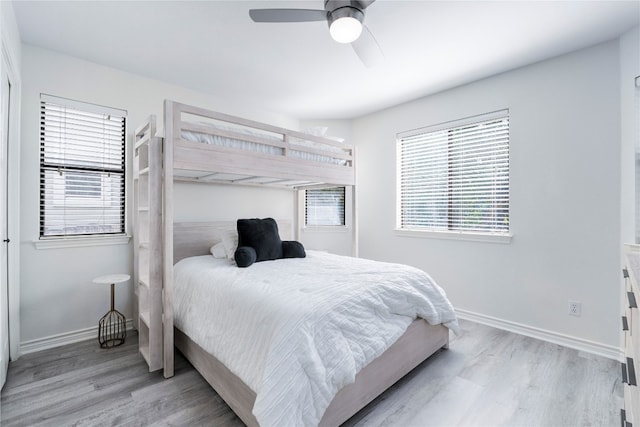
[(292, 249), (245, 256), (262, 235)]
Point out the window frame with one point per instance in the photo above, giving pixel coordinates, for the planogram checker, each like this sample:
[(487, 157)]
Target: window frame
[(449, 233), (46, 241)]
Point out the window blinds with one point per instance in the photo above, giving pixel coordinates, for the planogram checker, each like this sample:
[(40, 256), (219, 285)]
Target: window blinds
[(455, 176), (82, 168), (325, 207)]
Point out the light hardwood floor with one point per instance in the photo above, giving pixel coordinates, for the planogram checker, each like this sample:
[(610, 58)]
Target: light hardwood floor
[(488, 377)]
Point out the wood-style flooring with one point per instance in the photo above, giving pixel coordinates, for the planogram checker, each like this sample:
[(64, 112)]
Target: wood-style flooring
[(488, 377)]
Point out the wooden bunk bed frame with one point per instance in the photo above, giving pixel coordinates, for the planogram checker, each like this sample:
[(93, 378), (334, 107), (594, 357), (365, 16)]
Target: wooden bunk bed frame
[(159, 243)]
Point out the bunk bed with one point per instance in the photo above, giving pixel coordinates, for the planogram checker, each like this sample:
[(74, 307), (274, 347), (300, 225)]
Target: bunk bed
[(205, 146)]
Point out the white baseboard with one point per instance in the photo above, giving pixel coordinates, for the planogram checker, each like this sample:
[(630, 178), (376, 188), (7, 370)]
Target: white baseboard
[(608, 351), (58, 340)]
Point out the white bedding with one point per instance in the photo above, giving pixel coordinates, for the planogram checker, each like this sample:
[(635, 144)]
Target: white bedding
[(297, 330)]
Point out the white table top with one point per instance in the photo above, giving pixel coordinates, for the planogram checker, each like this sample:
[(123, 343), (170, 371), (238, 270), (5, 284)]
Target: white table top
[(111, 278)]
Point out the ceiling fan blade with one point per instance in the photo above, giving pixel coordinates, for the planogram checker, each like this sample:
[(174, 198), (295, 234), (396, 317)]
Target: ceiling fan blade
[(367, 48), (287, 15), (364, 3)]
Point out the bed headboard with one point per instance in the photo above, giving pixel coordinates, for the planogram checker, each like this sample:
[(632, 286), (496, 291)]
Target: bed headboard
[(196, 238)]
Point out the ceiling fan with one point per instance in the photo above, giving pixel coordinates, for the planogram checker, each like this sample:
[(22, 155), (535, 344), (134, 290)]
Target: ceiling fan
[(346, 24)]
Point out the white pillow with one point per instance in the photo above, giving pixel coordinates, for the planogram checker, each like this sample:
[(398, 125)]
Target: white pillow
[(218, 250), (317, 130), (229, 239)]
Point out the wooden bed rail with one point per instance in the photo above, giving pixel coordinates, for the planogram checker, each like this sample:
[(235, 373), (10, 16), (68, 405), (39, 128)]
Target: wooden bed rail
[(200, 120), (198, 147)]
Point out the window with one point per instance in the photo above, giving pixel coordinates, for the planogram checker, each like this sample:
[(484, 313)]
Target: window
[(82, 168), (325, 207), (455, 176)]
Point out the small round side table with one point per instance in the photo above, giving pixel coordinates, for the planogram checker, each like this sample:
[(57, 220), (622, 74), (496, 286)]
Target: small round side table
[(112, 326)]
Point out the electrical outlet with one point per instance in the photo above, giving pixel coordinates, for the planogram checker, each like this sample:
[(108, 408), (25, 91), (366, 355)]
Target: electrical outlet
[(575, 308)]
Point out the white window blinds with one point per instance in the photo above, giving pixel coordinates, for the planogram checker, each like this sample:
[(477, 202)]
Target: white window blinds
[(82, 168), (325, 207), (455, 176)]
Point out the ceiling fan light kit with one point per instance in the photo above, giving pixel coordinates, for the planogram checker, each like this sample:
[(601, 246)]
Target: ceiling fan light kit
[(345, 24)]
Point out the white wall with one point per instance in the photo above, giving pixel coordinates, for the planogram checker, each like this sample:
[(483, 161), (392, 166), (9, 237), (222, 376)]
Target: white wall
[(332, 239), (565, 196), (58, 297), (11, 60), (630, 130), (566, 211)]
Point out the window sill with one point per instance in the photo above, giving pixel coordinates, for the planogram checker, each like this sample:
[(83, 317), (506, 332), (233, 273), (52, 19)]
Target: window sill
[(77, 242), (457, 235), (326, 229)]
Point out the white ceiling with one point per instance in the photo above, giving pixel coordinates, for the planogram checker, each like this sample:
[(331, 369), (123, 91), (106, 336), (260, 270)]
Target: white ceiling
[(297, 69)]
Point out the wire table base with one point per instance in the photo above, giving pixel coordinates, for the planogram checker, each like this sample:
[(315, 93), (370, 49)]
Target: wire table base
[(112, 329)]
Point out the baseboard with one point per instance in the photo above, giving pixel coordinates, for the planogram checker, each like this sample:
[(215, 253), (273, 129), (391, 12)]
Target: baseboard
[(58, 340), (608, 351)]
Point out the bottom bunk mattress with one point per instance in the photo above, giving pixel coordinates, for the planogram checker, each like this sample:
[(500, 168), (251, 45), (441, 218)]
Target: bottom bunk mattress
[(296, 331)]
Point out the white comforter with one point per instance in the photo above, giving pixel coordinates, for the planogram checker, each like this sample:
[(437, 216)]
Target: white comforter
[(297, 330)]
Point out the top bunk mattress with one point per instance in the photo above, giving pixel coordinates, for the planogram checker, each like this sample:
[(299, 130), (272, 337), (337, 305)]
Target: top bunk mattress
[(298, 330)]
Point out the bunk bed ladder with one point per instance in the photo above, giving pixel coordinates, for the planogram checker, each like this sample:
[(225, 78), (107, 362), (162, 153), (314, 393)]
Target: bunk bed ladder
[(148, 244)]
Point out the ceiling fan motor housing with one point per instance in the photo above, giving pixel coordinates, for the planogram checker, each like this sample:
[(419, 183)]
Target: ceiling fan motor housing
[(344, 12), (341, 8), (331, 5)]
